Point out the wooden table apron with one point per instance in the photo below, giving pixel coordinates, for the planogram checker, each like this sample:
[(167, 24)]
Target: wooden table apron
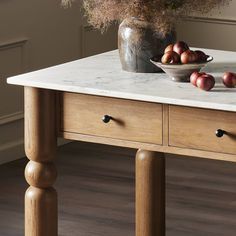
[(152, 128)]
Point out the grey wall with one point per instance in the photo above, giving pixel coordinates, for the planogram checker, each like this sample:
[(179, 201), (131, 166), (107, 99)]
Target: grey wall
[(217, 30), (37, 34)]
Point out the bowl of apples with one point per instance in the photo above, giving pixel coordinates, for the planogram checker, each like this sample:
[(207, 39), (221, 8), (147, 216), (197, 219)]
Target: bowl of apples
[(179, 61)]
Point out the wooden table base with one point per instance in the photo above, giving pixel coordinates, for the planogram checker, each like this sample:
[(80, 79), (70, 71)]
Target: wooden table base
[(150, 193), (40, 173)]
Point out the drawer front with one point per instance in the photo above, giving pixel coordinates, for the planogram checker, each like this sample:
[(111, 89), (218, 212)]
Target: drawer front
[(196, 129), (131, 120)]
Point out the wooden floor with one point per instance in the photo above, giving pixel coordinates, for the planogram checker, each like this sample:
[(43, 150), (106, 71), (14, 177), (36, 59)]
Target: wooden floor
[(96, 194)]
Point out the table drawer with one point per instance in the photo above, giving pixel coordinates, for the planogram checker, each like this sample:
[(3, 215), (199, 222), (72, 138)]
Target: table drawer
[(196, 128), (131, 120)]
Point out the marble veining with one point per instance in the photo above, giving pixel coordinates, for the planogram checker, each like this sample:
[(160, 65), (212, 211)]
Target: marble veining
[(102, 75)]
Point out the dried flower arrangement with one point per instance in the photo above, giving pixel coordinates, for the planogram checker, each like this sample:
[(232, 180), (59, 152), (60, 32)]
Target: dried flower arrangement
[(161, 13)]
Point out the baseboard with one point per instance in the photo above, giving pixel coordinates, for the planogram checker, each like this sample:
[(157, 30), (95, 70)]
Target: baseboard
[(11, 151), (61, 141), (15, 150)]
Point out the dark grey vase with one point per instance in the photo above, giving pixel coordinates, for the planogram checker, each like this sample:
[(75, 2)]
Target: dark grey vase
[(138, 42)]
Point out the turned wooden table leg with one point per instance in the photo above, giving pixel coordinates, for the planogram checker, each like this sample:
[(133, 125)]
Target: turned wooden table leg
[(150, 193), (40, 172)]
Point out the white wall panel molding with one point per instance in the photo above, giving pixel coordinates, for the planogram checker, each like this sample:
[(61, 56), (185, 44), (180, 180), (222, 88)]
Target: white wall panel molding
[(223, 21), (13, 43), (208, 32), (18, 43), (11, 118), (13, 60)]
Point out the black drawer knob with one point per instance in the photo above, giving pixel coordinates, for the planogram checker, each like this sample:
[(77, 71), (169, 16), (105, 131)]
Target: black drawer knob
[(106, 118), (220, 133)]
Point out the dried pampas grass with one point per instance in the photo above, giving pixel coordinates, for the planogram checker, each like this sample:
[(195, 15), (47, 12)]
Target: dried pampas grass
[(161, 13), (66, 3)]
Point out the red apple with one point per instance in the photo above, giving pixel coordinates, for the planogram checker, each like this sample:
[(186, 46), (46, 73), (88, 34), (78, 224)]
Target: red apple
[(206, 82), (201, 56), (169, 48), (180, 47), (229, 79), (188, 57), (194, 76), (170, 58)]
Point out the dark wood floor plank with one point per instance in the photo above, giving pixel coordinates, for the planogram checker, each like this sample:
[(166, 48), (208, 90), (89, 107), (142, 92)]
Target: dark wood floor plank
[(96, 194)]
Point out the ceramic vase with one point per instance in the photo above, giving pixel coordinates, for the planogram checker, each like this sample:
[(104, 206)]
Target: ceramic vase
[(138, 42)]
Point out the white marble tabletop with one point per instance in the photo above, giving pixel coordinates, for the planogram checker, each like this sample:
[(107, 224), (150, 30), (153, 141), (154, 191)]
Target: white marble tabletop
[(102, 75)]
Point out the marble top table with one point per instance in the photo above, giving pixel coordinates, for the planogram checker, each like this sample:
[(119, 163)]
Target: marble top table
[(102, 75), (148, 112)]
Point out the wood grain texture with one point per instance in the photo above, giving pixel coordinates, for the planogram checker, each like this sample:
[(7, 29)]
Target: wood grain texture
[(40, 172), (150, 193), (165, 125), (195, 128), (96, 194), (144, 127), (186, 152), (40, 122), (132, 120)]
